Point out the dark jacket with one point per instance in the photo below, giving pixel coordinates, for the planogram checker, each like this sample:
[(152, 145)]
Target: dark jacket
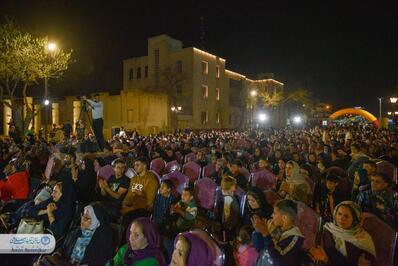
[(283, 253), (102, 244)]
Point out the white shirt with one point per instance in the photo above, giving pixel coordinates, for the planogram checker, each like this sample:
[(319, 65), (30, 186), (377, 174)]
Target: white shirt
[(97, 109)]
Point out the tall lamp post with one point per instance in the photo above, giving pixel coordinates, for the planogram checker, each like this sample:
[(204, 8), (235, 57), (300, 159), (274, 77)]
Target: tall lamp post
[(393, 101), (253, 93), (175, 110), (51, 47)]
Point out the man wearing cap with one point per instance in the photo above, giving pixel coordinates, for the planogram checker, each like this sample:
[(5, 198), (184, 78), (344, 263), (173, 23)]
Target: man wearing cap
[(97, 108)]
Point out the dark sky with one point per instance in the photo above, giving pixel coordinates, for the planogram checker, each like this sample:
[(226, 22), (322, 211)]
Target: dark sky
[(345, 54)]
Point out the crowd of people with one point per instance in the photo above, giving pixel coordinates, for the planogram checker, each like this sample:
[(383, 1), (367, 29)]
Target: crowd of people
[(217, 197)]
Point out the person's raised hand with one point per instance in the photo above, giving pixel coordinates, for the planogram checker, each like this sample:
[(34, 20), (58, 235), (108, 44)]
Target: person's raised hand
[(362, 261), (260, 225), (318, 253), (51, 207)]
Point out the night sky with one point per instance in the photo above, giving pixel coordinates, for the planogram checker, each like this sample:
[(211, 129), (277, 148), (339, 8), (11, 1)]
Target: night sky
[(344, 54)]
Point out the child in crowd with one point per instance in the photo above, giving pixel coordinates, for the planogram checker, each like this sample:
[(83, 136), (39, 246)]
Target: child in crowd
[(229, 209), (330, 196), (245, 254), (163, 201), (185, 210), (279, 240)]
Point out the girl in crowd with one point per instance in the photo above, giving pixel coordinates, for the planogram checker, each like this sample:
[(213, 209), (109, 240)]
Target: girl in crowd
[(256, 205), (143, 247), (245, 254), (190, 250), (345, 242)]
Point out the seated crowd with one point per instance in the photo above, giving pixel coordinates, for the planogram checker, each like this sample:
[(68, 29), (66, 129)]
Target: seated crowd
[(256, 197)]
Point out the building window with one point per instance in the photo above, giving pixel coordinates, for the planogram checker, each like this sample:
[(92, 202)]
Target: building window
[(218, 117), (138, 72), (217, 94), (230, 119), (179, 66), (130, 115), (204, 118), (205, 67), (179, 89), (217, 71), (205, 91), (131, 74), (146, 71)]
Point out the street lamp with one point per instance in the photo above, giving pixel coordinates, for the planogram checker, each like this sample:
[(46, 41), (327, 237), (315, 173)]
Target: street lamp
[(253, 93), (176, 110), (262, 117), (393, 99), (51, 47), (46, 103), (297, 119)]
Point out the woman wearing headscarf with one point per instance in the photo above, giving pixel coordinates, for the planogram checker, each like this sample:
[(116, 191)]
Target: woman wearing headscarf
[(296, 186), (256, 205), (92, 243), (57, 211), (143, 246), (85, 180), (345, 242), (191, 250)]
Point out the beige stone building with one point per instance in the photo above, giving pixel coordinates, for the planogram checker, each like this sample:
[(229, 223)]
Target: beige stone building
[(201, 91)]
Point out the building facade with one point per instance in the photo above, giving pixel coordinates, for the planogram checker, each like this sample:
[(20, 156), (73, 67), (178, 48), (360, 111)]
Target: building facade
[(202, 93)]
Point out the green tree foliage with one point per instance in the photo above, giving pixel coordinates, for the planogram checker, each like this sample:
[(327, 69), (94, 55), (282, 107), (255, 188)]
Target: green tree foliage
[(24, 61)]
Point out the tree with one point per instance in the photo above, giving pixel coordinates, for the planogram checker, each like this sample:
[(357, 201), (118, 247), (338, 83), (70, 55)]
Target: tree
[(272, 96), (24, 61)]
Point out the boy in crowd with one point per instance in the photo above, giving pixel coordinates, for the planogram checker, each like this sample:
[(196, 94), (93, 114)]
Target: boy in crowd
[(229, 209), (235, 173), (163, 201), (185, 210), (330, 195), (279, 240)]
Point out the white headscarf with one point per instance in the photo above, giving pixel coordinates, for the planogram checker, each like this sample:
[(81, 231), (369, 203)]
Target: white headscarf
[(95, 223), (296, 178), (355, 235)]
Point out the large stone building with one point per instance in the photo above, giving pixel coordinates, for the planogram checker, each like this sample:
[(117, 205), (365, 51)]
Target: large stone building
[(171, 87), (209, 95)]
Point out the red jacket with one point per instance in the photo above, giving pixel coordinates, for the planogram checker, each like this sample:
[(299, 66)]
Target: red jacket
[(15, 187)]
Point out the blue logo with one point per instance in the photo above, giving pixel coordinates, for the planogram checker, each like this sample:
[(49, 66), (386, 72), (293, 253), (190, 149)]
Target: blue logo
[(45, 240)]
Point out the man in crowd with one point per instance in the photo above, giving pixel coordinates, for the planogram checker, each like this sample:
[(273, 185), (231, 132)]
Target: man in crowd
[(380, 199), (141, 193), (97, 107), (114, 189)]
